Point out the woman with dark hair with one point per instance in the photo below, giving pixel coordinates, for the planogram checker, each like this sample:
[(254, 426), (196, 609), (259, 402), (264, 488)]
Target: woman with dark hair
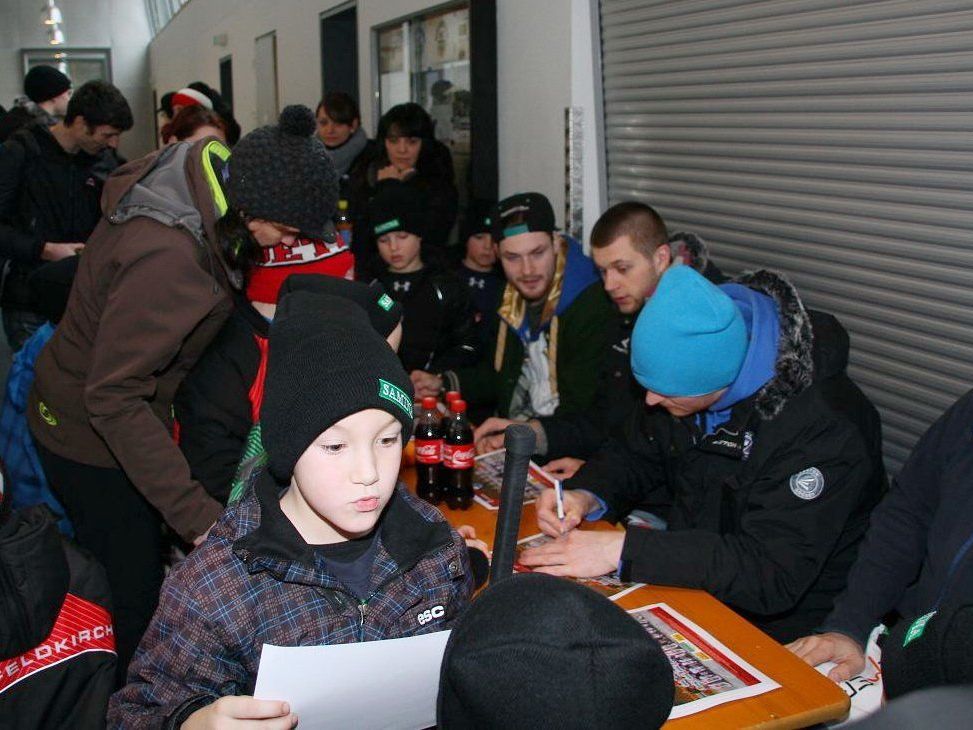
[(152, 290), (406, 152), (339, 127)]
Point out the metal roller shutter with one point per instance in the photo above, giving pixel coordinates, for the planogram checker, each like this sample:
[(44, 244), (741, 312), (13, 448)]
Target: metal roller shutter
[(829, 139)]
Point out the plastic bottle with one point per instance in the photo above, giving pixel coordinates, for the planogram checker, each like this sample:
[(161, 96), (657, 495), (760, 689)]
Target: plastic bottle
[(342, 222), (429, 452), (458, 454)]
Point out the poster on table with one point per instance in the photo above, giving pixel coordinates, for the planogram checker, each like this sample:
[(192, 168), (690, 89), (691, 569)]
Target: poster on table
[(488, 478), (607, 585), (707, 673)]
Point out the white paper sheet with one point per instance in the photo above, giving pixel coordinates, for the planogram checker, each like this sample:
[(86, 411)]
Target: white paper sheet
[(367, 685)]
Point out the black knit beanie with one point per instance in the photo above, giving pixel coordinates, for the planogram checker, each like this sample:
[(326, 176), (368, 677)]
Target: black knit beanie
[(383, 312), (45, 82), (536, 651), (282, 173), (396, 206), (325, 362), (937, 653)]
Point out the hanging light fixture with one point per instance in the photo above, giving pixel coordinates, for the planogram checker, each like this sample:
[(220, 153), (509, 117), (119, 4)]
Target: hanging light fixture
[(51, 14), (56, 36)]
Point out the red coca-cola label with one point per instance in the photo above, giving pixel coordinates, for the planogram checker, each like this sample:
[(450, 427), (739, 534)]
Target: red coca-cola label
[(458, 456), (429, 452)]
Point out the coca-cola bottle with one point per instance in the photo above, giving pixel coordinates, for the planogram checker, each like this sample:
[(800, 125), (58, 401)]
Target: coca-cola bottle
[(429, 452), (458, 452)]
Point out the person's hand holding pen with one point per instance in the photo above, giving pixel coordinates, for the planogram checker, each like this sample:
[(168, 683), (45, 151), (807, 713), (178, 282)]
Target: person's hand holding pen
[(576, 504)]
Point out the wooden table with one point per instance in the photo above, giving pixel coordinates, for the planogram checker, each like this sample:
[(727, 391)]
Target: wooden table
[(804, 698)]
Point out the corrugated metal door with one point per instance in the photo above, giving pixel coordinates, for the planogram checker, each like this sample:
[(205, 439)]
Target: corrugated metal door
[(829, 139)]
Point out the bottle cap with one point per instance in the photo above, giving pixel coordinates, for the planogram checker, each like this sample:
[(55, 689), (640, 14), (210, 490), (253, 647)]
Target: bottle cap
[(458, 406), (429, 402), (451, 395), (342, 205)]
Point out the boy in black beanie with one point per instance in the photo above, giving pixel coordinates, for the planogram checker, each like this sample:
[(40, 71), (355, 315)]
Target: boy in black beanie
[(438, 322), (324, 548)]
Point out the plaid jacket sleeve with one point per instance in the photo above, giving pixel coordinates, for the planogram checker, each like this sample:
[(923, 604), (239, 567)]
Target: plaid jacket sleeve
[(183, 663)]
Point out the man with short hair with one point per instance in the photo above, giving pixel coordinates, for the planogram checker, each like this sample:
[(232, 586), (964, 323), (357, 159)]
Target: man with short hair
[(631, 249), (45, 101), (554, 320), (745, 435), (50, 191)]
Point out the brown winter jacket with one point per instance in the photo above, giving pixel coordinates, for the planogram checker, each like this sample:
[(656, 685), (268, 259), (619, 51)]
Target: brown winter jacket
[(150, 294)]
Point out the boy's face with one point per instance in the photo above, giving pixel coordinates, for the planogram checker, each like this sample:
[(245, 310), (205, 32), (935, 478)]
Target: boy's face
[(400, 251), (480, 250), (344, 479)]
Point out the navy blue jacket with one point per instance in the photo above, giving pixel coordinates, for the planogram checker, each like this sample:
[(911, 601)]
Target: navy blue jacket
[(916, 533)]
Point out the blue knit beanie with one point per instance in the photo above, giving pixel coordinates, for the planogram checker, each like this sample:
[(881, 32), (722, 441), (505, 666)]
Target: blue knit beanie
[(690, 338)]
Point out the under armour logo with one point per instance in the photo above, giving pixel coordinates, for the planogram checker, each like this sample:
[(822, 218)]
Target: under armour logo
[(622, 346), (475, 283), (401, 285)]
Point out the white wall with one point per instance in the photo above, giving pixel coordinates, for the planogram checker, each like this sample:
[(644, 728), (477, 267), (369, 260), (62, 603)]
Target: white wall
[(534, 71), (120, 25), (533, 90)]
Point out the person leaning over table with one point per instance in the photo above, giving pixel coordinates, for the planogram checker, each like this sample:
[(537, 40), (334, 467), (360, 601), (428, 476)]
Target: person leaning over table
[(770, 485), (917, 556), (631, 248)]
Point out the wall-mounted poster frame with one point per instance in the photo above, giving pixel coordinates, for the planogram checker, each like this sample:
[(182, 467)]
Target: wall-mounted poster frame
[(79, 64)]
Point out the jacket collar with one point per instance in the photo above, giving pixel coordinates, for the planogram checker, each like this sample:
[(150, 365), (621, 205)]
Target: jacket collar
[(276, 545)]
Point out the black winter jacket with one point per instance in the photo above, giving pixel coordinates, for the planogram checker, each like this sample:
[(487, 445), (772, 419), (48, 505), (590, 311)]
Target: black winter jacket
[(46, 195), (767, 512), (214, 406), (57, 645), (438, 325), (581, 434), (912, 556)]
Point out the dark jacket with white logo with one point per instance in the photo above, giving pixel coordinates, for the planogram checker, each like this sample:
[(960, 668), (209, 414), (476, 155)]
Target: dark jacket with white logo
[(767, 512), (57, 646), (438, 324), (256, 581)]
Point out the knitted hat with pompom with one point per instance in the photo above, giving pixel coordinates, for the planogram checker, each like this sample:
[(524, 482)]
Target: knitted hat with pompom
[(282, 174)]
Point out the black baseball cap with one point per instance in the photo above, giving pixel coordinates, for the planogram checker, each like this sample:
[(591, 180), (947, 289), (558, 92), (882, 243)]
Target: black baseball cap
[(522, 213)]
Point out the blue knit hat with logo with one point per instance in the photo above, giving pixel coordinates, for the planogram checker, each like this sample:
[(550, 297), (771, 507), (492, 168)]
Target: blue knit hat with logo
[(690, 338)]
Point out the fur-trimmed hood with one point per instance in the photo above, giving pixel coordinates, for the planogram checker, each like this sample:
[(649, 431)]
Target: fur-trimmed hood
[(794, 368), (689, 249)]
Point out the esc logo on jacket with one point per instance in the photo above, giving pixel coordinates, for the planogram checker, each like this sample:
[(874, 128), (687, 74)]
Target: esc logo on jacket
[(430, 614)]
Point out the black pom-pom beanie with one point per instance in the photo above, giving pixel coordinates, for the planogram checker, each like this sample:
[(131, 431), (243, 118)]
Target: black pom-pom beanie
[(282, 173)]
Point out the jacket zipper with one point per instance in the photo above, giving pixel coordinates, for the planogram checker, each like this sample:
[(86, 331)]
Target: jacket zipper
[(361, 624)]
